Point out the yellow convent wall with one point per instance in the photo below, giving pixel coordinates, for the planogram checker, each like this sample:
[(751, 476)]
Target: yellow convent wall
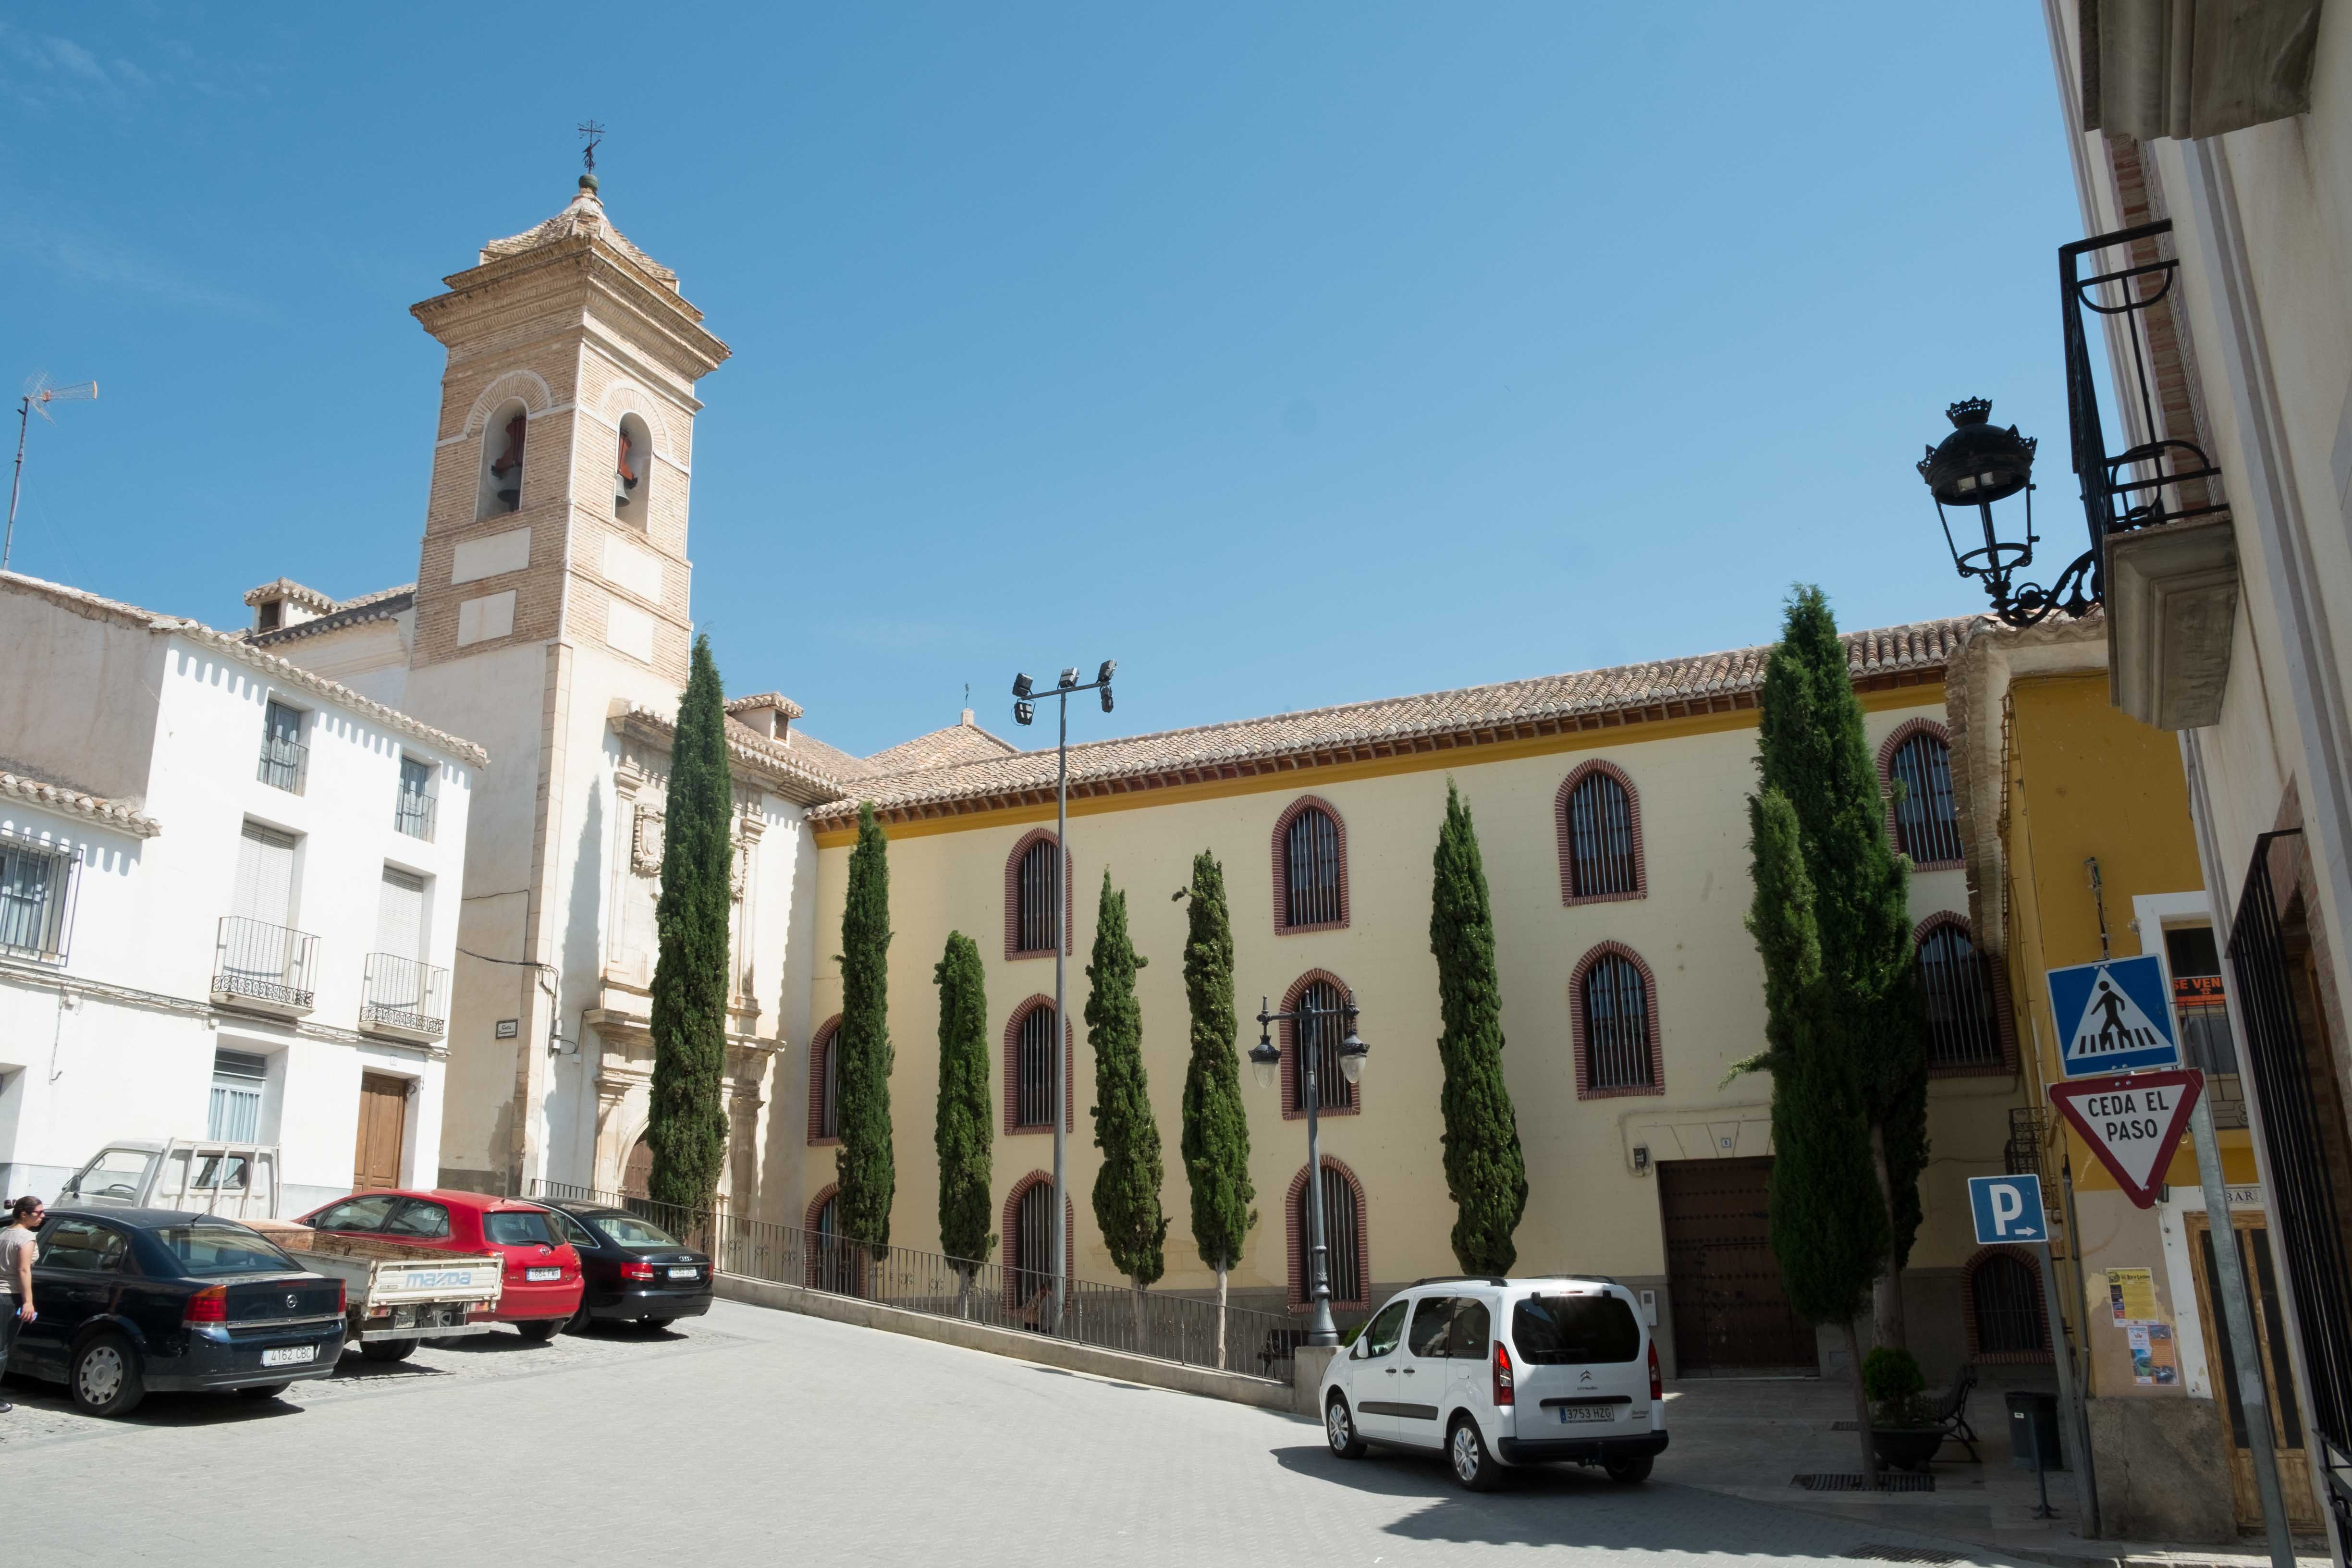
[(1589, 1208)]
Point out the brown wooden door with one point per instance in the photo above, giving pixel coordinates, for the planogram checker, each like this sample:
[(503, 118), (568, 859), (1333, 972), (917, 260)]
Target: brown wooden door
[(2262, 1273), (384, 1127), (1730, 1309)]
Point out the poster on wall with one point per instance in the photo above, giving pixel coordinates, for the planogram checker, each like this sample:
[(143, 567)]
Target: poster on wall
[(2152, 1356), (2131, 1294)]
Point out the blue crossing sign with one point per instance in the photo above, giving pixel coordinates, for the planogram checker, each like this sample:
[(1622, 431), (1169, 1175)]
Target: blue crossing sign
[(2007, 1208), (2111, 1017)]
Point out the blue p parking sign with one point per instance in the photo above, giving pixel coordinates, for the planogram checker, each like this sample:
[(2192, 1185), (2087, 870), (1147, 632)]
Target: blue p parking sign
[(2007, 1208)]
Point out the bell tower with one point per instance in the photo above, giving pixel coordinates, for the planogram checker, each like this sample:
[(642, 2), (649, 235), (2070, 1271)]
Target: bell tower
[(552, 592)]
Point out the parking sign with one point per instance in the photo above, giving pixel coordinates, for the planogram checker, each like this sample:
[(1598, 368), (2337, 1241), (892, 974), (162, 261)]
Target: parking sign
[(2007, 1208)]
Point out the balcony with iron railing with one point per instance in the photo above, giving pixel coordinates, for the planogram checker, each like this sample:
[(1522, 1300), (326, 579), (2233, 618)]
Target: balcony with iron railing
[(402, 997), (413, 813), (262, 967), (284, 763)]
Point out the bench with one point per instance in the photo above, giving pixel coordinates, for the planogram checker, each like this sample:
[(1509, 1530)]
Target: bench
[(1951, 1411), (1281, 1345)]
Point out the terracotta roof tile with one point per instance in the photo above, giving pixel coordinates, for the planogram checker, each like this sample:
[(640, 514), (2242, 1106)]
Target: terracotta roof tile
[(98, 808)]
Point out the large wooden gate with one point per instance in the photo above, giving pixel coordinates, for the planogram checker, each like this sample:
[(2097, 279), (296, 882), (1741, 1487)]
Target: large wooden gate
[(1730, 1311)]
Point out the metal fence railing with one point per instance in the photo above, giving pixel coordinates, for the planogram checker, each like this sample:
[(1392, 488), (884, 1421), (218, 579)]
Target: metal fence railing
[(1111, 1317), (263, 962), (403, 993)]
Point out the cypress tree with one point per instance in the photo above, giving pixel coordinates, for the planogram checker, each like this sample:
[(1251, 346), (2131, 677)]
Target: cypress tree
[(686, 1128), (864, 1166), (1216, 1127), (1484, 1171), (964, 1128), (1126, 1187), (1812, 748), (1827, 1223)]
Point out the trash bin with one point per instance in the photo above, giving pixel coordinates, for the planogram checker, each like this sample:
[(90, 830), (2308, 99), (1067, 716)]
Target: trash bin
[(2033, 1431)]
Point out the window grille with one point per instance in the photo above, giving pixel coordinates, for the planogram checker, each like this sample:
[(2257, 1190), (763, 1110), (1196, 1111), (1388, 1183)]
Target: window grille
[(1311, 870), (1344, 1256), (1031, 1251), (1616, 1003), (1927, 825), (1963, 1021), (281, 748), (1321, 1025), (1034, 1062), (827, 1120), (239, 1078), (1038, 915), (2007, 1295), (412, 811), (35, 889), (1601, 838)]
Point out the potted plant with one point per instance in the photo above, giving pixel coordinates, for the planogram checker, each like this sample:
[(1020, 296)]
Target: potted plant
[(1903, 1428)]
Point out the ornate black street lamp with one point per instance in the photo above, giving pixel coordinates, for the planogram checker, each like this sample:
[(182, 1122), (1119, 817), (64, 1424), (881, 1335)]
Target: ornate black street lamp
[(1979, 465), (1266, 1062)]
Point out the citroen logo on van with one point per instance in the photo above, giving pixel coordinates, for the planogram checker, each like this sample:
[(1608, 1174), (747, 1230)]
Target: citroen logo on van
[(1583, 1378)]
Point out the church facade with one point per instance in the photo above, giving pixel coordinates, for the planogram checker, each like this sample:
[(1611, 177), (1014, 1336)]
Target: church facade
[(551, 622)]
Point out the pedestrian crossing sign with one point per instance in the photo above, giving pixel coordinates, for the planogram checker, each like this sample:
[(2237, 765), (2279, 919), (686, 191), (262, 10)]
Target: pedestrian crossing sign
[(2115, 1017)]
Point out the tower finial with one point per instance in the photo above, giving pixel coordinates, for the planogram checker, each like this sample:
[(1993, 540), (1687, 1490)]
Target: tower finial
[(596, 135)]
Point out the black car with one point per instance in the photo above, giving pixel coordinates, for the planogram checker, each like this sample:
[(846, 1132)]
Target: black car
[(636, 1272), (127, 1300)]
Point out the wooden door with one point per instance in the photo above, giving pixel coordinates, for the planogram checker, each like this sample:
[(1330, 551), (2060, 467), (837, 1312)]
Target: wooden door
[(384, 1127), (1731, 1312), (2260, 1269)]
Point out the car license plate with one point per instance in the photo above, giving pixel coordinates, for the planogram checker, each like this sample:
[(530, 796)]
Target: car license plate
[(288, 1355), (1569, 1412), (684, 1273), (542, 1273)]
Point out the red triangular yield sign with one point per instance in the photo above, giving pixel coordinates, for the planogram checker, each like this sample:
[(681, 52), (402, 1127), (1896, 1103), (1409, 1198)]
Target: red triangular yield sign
[(2132, 1123)]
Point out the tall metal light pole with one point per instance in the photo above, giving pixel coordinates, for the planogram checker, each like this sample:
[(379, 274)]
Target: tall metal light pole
[(1025, 709), (1264, 1061)]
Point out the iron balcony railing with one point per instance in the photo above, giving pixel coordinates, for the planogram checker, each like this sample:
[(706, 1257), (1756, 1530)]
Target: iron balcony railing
[(413, 814), (262, 963), (403, 993), (1111, 1317), (283, 764)]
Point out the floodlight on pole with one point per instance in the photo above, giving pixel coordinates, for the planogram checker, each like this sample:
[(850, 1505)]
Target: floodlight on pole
[(39, 392)]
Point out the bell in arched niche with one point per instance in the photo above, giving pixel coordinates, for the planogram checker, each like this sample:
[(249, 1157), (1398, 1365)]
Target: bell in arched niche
[(506, 474)]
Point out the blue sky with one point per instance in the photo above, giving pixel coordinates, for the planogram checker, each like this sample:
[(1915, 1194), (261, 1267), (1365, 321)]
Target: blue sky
[(1289, 354)]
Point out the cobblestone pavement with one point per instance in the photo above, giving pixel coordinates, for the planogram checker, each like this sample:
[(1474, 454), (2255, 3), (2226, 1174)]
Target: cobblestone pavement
[(757, 1436)]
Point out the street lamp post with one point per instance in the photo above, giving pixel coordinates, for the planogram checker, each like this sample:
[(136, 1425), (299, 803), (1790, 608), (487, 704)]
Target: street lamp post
[(1264, 1061), (1059, 902)]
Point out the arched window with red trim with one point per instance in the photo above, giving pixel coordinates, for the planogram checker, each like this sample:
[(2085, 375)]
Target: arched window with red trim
[(1029, 1069), (824, 1083), (2002, 1304), (1310, 867), (1036, 897), (1324, 994), (1966, 1027), (1599, 819), (833, 1263), (1915, 767), (1348, 1253), (1613, 1022), (1028, 1248)]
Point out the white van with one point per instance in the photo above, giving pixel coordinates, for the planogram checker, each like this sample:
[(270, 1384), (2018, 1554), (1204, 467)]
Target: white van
[(1500, 1373)]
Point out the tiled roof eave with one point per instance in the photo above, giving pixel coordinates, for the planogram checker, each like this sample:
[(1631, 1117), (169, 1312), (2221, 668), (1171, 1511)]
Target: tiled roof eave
[(71, 802), (799, 784)]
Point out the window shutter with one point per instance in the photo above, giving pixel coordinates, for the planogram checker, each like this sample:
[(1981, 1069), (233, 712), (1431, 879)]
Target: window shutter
[(265, 877)]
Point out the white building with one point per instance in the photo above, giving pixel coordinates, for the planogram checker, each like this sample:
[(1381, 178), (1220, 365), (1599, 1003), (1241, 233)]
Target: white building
[(229, 892)]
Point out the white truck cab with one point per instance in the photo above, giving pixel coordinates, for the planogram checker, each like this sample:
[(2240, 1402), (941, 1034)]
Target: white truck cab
[(1495, 1372), (236, 1181)]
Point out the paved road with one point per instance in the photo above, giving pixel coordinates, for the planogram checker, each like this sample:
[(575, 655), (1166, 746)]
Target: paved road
[(757, 1436)]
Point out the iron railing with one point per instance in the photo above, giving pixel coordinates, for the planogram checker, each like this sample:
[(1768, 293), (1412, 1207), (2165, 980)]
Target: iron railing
[(283, 764), (413, 814), (2307, 1205), (403, 993), (37, 885), (1109, 1316), (262, 963)]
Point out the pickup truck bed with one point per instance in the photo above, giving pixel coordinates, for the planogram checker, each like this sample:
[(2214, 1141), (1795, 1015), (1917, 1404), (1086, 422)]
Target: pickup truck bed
[(394, 1291)]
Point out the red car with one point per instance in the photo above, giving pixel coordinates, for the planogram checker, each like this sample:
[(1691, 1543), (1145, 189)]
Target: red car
[(542, 1284)]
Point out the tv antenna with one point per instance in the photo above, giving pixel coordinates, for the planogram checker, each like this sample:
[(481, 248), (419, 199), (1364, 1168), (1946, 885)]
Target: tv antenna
[(596, 135), (39, 392)]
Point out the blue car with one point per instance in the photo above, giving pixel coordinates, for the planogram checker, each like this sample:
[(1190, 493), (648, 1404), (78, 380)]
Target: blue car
[(133, 1299)]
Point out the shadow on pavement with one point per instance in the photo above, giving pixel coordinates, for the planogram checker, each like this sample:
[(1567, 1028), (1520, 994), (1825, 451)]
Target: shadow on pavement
[(1568, 1505), (161, 1409)]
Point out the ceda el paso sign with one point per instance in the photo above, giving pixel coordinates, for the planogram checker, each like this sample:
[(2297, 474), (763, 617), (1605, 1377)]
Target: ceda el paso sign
[(2132, 1122)]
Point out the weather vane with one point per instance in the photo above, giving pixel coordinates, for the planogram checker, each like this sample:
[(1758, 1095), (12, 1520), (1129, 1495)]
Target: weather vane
[(595, 134)]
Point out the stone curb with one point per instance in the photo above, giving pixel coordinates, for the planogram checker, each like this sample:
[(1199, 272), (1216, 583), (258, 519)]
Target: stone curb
[(1238, 1387)]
